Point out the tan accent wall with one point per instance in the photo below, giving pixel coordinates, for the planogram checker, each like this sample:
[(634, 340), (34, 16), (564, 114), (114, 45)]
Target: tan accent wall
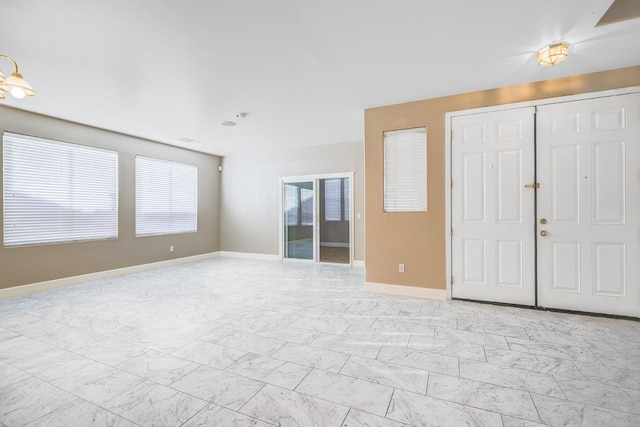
[(32, 264), (250, 198), (418, 239)]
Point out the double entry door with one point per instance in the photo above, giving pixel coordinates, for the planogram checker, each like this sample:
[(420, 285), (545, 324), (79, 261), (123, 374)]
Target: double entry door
[(545, 206)]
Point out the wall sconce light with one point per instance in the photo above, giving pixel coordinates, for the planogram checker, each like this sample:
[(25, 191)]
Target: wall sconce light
[(14, 84), (553, 54)]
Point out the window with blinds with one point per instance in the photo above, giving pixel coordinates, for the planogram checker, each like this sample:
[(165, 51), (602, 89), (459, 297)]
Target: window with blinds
[(333, 199), (405, 170), (336, 199), (57, 192), (346, 188), (291, 204), (166, 197)]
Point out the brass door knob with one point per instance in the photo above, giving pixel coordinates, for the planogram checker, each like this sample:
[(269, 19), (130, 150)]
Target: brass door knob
[(544, 233)]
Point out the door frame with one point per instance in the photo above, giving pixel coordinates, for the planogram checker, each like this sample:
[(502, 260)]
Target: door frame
[(315, 178), (502, 107)]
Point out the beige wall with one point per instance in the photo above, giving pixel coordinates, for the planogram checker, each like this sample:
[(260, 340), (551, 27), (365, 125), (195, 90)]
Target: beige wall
[(418, 239), (31, 264), (250, 183)]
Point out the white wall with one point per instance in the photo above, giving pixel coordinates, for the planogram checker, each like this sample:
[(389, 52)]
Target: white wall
[(249, 212)]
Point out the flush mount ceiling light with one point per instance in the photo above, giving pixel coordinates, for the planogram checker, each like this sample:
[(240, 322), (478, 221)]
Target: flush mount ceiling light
[(14, 84), (553, 54)]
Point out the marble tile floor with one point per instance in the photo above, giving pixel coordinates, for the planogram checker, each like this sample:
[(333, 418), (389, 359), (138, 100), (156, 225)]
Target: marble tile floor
[(229, 342)]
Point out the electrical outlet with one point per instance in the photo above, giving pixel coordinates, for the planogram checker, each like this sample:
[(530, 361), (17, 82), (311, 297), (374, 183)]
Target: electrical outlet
[(401, 268), (171, 248)]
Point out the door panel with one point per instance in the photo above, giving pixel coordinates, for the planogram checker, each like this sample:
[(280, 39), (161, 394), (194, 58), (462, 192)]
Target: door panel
[(588, 157), (299, 220), (493, 219)]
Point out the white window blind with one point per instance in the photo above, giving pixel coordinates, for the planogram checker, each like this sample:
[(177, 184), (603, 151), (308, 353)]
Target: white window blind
[(166, 197), (332, 199), (306, 206), (57, 192), (405, 170), (346, 189)]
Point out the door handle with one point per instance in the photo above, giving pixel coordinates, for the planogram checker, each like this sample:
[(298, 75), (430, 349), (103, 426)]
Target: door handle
[(544, 233)]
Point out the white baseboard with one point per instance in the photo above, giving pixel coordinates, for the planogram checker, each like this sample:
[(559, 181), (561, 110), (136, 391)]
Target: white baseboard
[(409, 291), (75, 280), (358, 263), (248, 255), (334, 245)]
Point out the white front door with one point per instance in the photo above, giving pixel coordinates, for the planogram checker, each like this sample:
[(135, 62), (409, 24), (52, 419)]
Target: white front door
[(588, 207), (493, 222)]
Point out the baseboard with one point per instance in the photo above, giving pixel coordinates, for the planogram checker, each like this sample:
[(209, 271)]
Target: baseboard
[(358, 263), (409, 291), (334, 245), (75, 280), (248, 255)]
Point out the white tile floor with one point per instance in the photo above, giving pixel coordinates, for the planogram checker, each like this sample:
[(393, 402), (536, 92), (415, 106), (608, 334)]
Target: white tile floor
[(230, 342)]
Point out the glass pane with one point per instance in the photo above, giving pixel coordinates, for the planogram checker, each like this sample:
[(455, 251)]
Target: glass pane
[(298, 220), (332, 199)]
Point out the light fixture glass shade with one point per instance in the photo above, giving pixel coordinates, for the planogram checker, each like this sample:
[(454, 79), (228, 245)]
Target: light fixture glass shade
[(553, 54), (17, 86), (1, 83)]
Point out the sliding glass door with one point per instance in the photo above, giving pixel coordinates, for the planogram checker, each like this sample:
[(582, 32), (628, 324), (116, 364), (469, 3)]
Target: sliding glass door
[(299, 224), (316, 218)]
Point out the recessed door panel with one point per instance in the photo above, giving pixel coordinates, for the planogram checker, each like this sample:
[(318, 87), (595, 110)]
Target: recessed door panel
[(565, 267), (608, 191), (509, 129), (474, 187), (509, 263), (564, 124), (607, 119), (609, 269), (474, 262), (510, 187), (565, 184), (473, 133)]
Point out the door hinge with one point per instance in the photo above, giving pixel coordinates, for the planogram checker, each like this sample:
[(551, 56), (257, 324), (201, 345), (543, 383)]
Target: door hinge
[(535, 185), (451, 135), (452, 231), (451, 183), (452, 280)]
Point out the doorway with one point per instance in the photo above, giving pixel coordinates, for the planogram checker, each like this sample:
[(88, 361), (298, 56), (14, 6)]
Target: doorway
[(316, 218), (545, 208)]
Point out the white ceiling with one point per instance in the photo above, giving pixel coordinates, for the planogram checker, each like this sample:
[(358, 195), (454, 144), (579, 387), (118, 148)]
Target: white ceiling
[(303, 70)]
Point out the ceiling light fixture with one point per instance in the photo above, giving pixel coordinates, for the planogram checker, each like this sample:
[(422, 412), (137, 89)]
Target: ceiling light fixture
[(553, 54), (14, 84)]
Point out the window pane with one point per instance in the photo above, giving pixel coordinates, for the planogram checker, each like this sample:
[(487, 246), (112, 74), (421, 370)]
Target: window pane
[(346, 188), (405, 170), (57, 192), (291, 204), (166, 197), (306, 206), (332, 199)]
